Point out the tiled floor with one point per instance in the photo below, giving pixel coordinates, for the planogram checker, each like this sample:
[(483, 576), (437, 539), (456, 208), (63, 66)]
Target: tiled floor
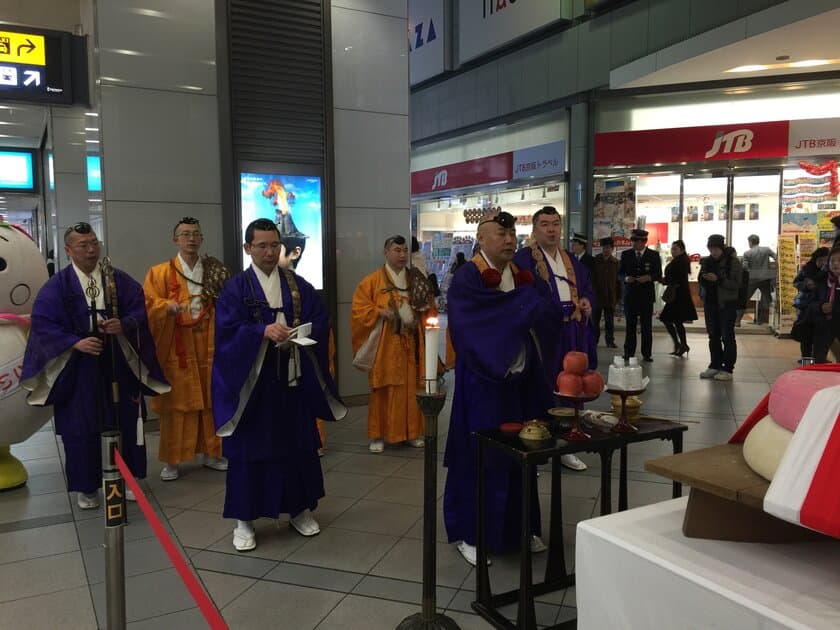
[(364, 570)]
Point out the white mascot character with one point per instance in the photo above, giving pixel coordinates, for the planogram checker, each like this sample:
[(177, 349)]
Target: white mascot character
[(23, 272)]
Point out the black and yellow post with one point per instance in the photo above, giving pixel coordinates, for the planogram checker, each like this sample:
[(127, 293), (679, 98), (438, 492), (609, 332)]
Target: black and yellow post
[(113, 488)]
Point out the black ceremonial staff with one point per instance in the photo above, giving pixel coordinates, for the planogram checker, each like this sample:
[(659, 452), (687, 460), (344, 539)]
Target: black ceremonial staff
[(112, 307), (92, 291)]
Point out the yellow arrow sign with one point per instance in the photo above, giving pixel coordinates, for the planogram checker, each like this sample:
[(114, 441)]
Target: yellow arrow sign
[(22, 48)]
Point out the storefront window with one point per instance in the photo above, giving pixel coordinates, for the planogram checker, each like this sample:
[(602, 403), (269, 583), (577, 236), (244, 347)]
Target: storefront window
[(755, 210), (704, 211), (447, 225), (658, 201)]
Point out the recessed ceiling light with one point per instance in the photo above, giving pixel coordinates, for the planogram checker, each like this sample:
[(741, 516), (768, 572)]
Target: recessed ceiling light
[(748, 68), (125, 51), (807, 63)]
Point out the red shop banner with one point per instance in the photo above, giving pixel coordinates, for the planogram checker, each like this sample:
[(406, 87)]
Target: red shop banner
[(692, 144), (494, 168)]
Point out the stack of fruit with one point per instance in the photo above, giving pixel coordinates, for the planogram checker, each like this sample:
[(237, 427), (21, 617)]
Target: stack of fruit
[(576, 380)]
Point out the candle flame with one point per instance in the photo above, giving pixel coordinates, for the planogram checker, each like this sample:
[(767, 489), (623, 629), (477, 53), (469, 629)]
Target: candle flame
[(432, 322)]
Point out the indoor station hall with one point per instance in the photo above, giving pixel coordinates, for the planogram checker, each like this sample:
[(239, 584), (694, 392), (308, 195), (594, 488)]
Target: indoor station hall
[(413, 314), (363, 571)]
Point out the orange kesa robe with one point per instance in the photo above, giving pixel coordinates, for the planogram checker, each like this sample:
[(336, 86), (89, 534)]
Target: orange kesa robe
[(393, 414), (185, 352)]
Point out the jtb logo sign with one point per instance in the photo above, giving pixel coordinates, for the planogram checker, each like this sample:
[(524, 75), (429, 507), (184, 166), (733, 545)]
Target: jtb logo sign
[(738, 141), (440, 180)]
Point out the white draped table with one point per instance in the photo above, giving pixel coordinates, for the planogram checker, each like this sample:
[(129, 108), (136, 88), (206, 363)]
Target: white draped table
[(636, 570)]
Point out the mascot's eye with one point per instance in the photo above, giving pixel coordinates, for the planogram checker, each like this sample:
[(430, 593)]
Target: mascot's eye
[(2, 264)]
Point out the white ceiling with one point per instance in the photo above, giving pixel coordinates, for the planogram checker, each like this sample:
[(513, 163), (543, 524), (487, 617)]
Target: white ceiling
[(22, 126), (706, 57)]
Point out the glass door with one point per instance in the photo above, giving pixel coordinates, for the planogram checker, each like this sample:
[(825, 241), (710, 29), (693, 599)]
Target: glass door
[(705, 211), (755, 210)]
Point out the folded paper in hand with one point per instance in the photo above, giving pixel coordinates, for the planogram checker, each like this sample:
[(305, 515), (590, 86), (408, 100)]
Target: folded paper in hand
[(300, 335)]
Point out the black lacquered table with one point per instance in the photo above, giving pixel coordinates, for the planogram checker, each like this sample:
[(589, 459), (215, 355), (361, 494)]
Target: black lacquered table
[(530, 454)]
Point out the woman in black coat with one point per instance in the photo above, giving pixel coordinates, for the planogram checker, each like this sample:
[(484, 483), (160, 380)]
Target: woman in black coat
[(681, 309), (824, 308)]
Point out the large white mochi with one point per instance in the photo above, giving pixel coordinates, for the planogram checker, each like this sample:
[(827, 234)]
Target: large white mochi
[(765, 445)]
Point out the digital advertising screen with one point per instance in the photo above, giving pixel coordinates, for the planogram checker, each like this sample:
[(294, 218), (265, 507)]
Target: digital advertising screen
[(17, 171), (294, 203), (94, 173)]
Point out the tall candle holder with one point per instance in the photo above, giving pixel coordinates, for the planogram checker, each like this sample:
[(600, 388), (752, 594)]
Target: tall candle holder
[(430, 403)]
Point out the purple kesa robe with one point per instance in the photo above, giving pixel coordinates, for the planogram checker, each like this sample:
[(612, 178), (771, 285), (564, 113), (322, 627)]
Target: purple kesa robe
[(268, 424), (78, 385), (489, 330), (572, 335)]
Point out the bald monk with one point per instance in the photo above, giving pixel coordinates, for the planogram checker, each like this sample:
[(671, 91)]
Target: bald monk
[(381, 308), (502, 323), (180, 314)]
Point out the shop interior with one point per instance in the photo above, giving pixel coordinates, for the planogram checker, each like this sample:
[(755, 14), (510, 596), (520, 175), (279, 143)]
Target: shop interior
[(447, 224), (692, 206)]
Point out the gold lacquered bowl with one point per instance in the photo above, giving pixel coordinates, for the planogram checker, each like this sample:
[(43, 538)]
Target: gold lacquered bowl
[(535, 430), (634, 407)]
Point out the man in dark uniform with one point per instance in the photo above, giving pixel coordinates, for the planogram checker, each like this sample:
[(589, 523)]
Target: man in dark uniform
[(639, 268), (835, 221), (578, 244)]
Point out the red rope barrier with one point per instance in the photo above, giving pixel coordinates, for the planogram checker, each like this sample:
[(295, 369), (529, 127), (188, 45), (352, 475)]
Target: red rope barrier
[(205, 605)]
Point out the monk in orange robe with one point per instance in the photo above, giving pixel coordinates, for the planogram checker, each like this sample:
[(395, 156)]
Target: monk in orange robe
[(382, 311), (180, 313)]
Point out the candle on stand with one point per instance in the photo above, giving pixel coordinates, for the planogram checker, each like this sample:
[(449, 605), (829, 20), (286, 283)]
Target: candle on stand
[(432, 341)]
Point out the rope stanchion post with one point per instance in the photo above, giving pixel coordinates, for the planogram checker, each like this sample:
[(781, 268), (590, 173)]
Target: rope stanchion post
[(429, 619), (204, 603), (114, 493)]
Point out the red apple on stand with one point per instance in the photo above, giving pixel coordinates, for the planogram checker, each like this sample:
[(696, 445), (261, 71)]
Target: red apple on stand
[(593, 383), (575, 363), (569, 384)]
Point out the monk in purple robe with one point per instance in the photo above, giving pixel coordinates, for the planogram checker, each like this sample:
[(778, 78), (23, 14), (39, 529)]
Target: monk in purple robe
[(567, 280), (498, 317), (73, 356), (267, 390)]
